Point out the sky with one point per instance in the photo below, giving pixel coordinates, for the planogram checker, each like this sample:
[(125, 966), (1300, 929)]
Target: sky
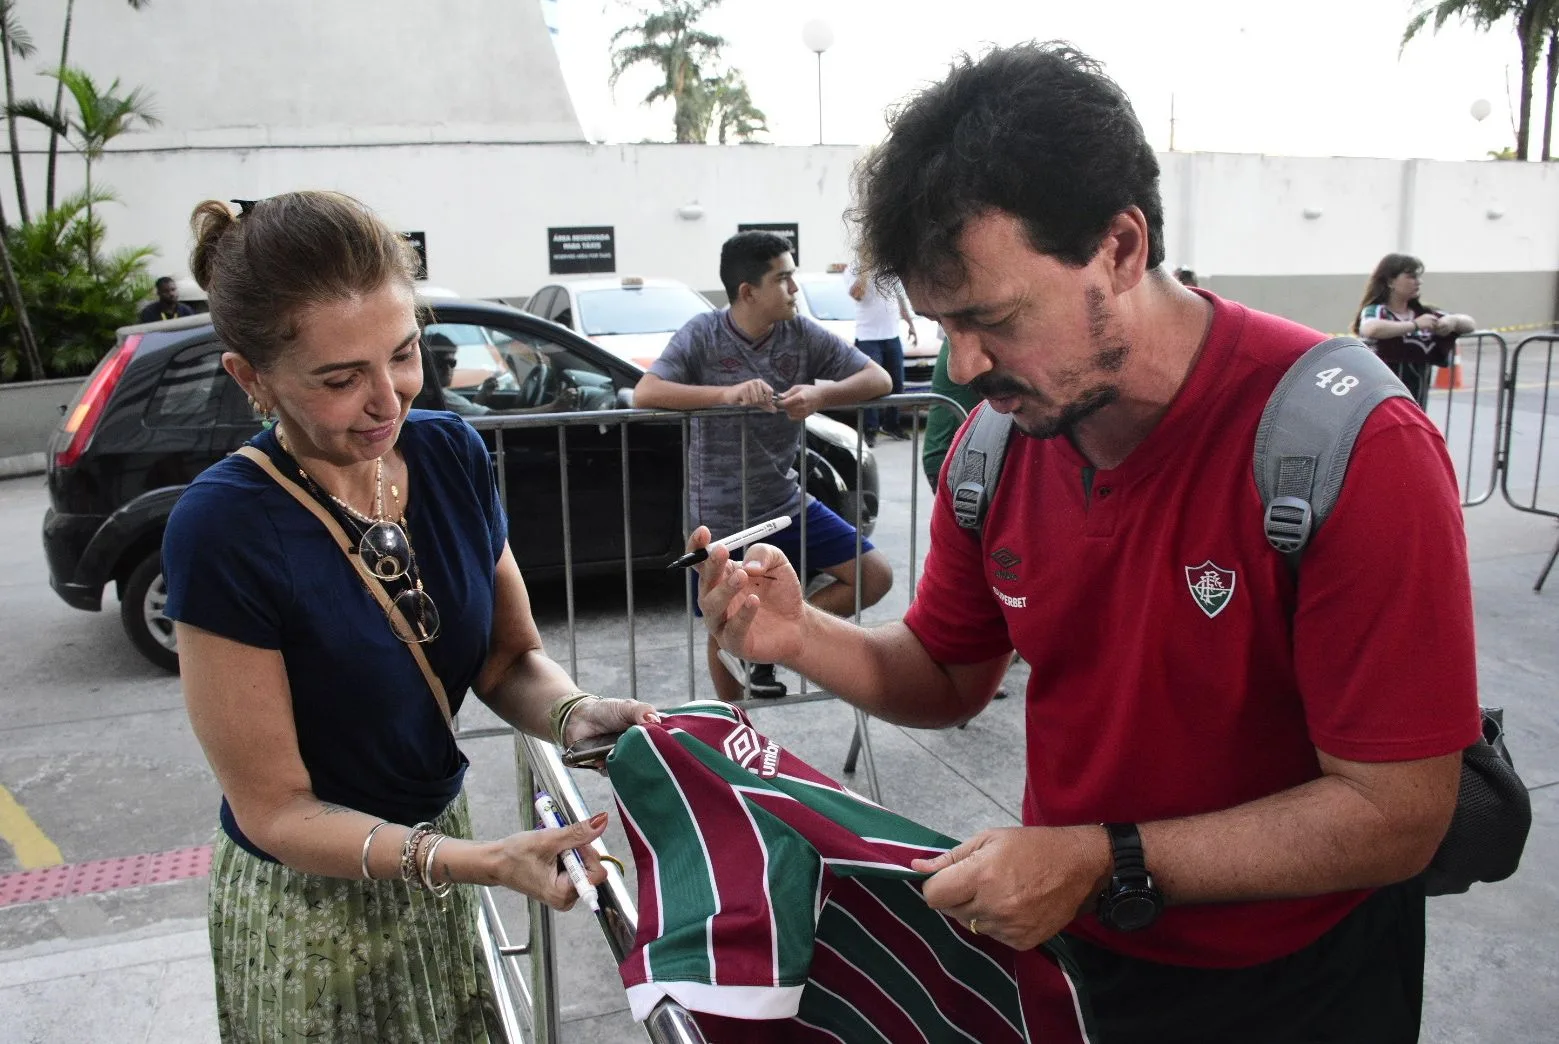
[(1321, 78)]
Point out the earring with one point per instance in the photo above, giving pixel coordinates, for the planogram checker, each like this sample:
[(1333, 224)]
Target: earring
[(259, 410)]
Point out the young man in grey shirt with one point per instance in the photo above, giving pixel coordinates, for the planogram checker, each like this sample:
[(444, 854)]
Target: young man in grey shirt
[(759, 352)]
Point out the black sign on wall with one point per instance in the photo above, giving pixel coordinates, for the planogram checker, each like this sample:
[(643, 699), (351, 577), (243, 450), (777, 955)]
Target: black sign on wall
[(790, 232), (419, 242), (572, 251)]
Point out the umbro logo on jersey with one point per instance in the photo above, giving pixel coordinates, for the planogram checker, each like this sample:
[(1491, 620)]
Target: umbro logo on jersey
[(1005, 560), (742, 746), (1212, 587)]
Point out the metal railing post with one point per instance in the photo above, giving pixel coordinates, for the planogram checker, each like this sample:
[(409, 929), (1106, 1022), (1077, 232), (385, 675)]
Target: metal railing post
[(633, 659), (568, 550)]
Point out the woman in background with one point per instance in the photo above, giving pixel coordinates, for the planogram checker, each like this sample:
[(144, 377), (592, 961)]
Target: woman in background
[(1409, 336)]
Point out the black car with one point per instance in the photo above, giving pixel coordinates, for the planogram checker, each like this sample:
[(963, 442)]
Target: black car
[(159, 409)]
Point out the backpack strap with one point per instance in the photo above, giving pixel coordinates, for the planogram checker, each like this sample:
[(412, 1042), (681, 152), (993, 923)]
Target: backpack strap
[(1306, 436), (976, 468)]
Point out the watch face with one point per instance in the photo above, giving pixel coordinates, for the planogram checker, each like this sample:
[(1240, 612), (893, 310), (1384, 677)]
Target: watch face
[(1133, 910)]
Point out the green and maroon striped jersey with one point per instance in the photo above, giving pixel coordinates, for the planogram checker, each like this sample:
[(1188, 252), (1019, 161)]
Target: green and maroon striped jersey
[(770, 894)]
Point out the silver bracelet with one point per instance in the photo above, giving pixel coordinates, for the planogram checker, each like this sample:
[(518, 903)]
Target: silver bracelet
[(569, 713), (368, 841), (439, 892)]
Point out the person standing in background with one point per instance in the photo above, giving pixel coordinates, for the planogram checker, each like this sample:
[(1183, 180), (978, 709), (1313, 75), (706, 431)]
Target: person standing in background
[(1408, 335), (942, 423), (877, 315), (167, 305)]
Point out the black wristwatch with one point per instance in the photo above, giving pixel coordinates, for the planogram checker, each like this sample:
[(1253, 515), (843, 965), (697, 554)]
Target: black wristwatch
[(1130, 901)]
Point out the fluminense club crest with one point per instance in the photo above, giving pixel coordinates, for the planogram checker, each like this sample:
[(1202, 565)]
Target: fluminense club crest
[(1211, 587)]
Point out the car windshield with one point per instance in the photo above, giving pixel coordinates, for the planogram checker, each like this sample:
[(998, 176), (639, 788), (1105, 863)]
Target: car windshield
[(638, 309), (438, 334), (829, 299)]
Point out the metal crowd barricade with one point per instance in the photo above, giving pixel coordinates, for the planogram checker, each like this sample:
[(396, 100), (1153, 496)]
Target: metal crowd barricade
[(1515, 378), (622, 419), (1481, 358), (524, 975), (1539, 381)]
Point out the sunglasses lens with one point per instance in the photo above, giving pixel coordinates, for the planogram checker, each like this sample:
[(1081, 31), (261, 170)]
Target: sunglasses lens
[(385, 551), (415, 617)]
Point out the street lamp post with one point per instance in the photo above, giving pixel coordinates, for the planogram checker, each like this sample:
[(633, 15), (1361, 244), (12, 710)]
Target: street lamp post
[(818, 35)]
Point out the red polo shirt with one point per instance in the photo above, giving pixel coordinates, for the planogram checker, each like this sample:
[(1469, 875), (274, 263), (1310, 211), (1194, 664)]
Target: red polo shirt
[(1175, 667)]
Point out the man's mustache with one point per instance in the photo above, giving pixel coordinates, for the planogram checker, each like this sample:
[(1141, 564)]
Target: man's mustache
[(998, 386)]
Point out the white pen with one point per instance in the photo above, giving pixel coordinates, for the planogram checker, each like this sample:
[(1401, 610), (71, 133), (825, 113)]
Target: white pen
[(734, 541), (547, 813)]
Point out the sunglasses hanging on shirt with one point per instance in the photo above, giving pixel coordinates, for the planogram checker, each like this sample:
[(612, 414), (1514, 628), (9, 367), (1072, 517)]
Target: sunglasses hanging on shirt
[(386, 550)]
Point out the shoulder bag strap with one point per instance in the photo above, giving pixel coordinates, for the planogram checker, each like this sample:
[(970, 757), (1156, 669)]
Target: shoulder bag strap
[(370, 581), (977, 460), (1306, 436)]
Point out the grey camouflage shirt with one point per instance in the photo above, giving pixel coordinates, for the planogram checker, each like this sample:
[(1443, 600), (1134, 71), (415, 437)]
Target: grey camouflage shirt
[(710, 350)]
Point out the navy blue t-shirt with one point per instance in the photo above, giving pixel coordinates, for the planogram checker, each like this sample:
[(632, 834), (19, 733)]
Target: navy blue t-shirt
[(244, 560)]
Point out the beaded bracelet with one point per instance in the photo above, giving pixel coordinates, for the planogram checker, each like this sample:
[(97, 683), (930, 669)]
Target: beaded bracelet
[(439, 891), (557, 717), (368, 841), (409, 849)]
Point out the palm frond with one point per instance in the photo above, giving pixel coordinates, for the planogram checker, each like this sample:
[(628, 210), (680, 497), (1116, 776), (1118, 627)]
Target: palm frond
[(16, 34), (32, 109)]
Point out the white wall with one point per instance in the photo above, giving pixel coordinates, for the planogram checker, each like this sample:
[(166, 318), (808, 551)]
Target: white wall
[(1246, 215), (1455, 222), (486, 208), (229, 73)]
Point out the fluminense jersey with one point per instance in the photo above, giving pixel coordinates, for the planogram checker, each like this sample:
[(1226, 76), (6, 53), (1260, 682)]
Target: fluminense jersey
[(768, 892)]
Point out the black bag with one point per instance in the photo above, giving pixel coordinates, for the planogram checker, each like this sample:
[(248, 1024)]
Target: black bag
[(1493, 816), (1303, 443)]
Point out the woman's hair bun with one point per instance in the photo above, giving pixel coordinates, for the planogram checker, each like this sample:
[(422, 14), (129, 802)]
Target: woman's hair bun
[(211, 221)]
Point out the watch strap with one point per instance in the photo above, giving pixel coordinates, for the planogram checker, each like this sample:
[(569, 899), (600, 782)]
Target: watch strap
[(1126, 848)]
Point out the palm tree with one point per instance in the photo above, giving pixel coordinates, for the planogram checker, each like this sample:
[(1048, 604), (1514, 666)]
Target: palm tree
[(1552, 81), (59, 96), (101, 116), (18, 303), (667, 39), (731, 109), (1533, 19), (14, 39)]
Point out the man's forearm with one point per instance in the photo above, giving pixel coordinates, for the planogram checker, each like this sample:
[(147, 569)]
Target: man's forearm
[(1322, 836), (864, 384), (884, 671), (669, 395)]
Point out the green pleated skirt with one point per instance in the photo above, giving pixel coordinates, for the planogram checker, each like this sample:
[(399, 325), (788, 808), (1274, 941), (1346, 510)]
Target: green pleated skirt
[(302, 957)]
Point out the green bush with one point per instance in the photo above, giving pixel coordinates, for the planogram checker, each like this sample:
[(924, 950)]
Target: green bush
[(76, 300)]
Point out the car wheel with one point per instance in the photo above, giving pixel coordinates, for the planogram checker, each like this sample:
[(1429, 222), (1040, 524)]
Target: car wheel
[(145, 594)]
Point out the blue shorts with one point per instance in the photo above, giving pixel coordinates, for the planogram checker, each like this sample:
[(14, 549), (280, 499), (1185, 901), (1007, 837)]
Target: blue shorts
[(830, 542)]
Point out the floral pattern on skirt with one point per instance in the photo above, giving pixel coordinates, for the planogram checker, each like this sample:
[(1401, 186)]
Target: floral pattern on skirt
[(304, 957)]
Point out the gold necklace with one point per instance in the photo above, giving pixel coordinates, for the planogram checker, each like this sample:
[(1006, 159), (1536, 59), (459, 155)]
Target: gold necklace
[(378, 508)]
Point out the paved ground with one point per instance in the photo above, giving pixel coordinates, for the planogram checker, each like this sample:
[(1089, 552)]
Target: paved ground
[(94, 745)]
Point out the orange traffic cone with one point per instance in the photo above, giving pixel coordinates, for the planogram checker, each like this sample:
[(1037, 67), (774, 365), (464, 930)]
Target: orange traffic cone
[(1449, 377)]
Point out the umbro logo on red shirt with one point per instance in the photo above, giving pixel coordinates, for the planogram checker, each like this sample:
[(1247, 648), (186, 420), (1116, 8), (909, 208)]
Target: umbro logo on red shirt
[(1005, 560)]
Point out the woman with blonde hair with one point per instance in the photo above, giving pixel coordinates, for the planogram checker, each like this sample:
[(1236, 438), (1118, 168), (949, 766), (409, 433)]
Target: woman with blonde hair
[(338, 585), (1408, 335)]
